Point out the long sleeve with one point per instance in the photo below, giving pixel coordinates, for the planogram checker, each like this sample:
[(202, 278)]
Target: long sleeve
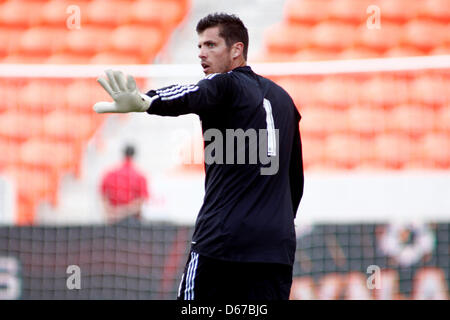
[(296, 176), (205, 96)]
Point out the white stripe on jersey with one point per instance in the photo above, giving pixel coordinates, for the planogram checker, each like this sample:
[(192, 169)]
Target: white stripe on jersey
[(168, 89), (180, 94), (189, 290), (173, 88), (175, 91)]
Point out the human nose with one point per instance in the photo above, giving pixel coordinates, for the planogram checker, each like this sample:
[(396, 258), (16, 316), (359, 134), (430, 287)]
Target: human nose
[(201, 53)]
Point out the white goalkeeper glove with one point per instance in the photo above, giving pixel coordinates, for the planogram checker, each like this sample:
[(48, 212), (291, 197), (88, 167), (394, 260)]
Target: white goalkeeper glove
[(125, 94)]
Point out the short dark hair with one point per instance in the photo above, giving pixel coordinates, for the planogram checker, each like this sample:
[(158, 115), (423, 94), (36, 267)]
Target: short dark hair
[(231, 28), (129, 151)]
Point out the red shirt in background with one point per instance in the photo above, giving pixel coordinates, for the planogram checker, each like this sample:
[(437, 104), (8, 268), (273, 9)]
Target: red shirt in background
[(124, 184)]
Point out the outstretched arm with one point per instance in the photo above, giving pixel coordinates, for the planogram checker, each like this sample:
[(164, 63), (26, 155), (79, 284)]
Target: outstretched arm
[(208, 95), (175, 100)]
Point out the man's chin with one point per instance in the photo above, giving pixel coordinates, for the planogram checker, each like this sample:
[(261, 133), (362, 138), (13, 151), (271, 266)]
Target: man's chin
[(208, 71)]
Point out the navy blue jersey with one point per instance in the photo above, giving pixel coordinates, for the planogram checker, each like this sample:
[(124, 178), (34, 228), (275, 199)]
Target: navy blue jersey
[(249, 207)]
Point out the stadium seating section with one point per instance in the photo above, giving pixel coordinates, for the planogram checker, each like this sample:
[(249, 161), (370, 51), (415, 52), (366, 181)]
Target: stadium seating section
[(87, 31), (346, 29), (46, 123), (379, 121), (376, 121)]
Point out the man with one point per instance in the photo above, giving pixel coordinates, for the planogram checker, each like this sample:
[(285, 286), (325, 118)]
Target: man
[(124, 190), (244, 242)]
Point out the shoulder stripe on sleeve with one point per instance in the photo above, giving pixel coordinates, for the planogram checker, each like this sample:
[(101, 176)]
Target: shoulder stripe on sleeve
[(168, 89), (175, 90), (180, 93)]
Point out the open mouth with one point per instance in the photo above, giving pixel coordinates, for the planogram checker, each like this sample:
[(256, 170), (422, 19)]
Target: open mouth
[(205, 66)]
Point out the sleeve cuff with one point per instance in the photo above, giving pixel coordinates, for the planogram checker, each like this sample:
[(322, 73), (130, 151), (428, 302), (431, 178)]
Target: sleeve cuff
[(152, 96)]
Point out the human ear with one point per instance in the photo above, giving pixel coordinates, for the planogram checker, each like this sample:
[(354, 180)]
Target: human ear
[(237, 49)]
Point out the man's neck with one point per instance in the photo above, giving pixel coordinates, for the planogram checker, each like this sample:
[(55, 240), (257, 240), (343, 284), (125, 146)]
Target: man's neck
[(238, 63)]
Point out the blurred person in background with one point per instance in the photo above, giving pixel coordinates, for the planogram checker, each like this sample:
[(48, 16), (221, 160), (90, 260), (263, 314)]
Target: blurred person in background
[(244, 242), (124, 190)]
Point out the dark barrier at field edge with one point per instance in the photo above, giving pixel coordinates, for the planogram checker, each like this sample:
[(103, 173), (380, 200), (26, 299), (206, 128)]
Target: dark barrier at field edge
[(134, 261)]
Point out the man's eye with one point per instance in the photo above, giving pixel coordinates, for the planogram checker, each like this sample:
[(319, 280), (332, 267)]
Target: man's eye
[(210, 45)]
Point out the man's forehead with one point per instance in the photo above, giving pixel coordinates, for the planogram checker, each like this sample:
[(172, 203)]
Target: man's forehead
[(210, 34)]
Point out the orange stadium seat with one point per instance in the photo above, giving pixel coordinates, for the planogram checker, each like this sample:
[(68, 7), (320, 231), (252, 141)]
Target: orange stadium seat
[(414, 120), (42, 41), (19, 126), (58, 13), (47, 155), (3, 106), (160, 13), (338, 92), (359, 53), (301, 90), (306, 90), (83, 103), (24, 58), (382, 39), (41, 96), (314, 54), (366, 120), (306, 11), (9, 154), (333, 36), (346, 151), (392, 151), (442, 119), (18, 13), (67, 58), (118, 58), (110, 13), (9, 40), (384, 91), (404, 51), (287, 83), (9, 94), (68, 126), (87, 41), (437, 10), (287, 38), (436, 150), (349, 11), (399, 11), (274, 56), (129, 40), (430, 90), (425, 35), (441, 50), (321, 121), (313, 149)]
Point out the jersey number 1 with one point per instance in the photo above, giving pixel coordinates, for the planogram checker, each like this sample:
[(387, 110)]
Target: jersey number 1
[(271, 138)]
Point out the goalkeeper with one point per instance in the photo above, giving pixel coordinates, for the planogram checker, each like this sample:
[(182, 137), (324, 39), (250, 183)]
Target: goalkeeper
[(244, 242)]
